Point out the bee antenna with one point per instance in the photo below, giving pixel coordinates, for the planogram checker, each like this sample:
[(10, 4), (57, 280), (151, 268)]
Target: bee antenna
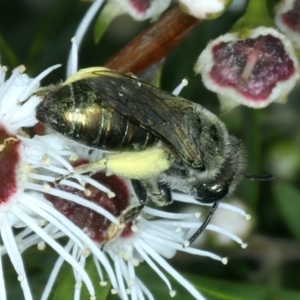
[(267, 177)]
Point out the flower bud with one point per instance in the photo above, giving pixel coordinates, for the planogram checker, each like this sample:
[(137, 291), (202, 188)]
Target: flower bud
[(255, 70), (203, 9), (288, 20), (253, 65), (138, 9)]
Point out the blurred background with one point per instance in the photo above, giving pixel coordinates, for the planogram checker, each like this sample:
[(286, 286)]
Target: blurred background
[(37, 33)]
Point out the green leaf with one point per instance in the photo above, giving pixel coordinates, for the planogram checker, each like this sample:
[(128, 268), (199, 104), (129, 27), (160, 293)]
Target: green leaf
[(287, 198), (110, 11), (49, 40), (6, 54), (66, 282), (225, 290), (211, 289)]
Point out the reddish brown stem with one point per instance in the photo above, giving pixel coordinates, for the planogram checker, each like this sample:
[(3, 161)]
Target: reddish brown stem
[(154, 43)]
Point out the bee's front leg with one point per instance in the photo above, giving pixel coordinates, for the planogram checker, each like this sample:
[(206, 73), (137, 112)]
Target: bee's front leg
[(85, 168)]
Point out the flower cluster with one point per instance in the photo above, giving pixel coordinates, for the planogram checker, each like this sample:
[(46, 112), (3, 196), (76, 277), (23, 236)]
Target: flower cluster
[(253, 71), (252, 65), (87, 214), (288, 20), (203, 9), (87, 210)]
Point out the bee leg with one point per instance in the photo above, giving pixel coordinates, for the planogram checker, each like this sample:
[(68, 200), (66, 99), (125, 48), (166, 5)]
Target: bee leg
[(203, 226), (85, 168), (115, 230), (140, 191), (161, 193), (165, 193), (129, 214), (134, 165)]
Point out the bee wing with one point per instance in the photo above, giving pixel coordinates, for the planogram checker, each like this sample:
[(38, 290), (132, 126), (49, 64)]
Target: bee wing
[(169, 117)]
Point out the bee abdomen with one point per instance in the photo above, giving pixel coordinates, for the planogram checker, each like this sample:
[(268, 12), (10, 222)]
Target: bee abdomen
[(81, 116), (116, 132)]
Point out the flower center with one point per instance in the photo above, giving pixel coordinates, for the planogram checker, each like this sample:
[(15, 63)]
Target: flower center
[(252, 66), (141, 6), (92, 223), (9, 161), (292, 17)]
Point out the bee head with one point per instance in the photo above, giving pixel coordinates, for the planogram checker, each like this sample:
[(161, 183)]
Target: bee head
[(217, 183)]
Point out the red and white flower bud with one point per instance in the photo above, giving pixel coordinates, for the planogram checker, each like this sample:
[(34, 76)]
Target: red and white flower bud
[(288, 20), (254, 70), (203, 9)]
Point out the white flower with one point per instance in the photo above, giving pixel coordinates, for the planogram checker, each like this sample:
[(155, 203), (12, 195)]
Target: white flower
[(88, 214), (28, 168), (13, 162), (254, 70), (152, 238), (288, 20), (204, 9), (141, 9)]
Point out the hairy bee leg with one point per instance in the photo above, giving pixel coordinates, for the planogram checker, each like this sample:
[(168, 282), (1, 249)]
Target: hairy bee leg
[(159, 192), (203, 226), (131, 213), (165, 193), (86, 168), (140, 191), (134, 165), (128, 215)]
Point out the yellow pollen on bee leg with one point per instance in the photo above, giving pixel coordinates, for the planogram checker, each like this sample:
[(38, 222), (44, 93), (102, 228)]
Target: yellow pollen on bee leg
[(140, 165)]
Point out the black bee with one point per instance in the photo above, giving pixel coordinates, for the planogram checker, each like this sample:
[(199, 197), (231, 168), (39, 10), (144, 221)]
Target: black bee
[(160, 141)]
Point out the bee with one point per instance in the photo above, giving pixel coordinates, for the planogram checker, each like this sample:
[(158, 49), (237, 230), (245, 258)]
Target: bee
[(160, 141)]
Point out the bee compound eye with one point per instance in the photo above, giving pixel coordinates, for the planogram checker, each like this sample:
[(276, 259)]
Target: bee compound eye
[(210, 193)]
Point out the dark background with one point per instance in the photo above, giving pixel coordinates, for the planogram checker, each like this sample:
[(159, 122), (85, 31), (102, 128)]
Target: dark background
[(37, 33)]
